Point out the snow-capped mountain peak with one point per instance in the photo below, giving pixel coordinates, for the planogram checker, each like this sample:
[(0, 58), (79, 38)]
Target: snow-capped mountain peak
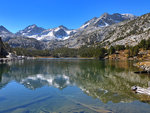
[(63, 33), (58, 33), (30, 31), (33, 31), (107, 19)]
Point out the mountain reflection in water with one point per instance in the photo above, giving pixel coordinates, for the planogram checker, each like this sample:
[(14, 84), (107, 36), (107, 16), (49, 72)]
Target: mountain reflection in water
[(108, 81)]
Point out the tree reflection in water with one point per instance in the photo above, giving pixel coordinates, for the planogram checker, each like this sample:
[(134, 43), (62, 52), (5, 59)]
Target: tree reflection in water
[(105, 80)]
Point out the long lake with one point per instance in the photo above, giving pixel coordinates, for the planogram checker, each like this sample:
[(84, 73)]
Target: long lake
[(71, 86)]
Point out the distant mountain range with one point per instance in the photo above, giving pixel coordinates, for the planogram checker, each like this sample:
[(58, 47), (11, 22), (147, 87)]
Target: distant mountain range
[(33, 31), (106, 29), (61, 32)]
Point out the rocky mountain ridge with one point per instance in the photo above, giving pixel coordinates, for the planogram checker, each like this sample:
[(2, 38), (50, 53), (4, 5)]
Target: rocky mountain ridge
[(129, 32), (106, 30), (58, 33), (30, 31), (107, 20)]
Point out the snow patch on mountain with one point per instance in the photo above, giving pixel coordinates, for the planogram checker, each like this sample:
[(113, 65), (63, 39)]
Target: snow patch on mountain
[(106, 20), (59, 33)]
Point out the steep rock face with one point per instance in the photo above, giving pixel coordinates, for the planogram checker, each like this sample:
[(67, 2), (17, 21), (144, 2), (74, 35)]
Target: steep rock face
[(132, 32), (3, 51)]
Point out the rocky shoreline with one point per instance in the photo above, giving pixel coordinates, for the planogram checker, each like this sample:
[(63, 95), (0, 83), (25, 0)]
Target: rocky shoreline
[(144, 66), (5, 60)]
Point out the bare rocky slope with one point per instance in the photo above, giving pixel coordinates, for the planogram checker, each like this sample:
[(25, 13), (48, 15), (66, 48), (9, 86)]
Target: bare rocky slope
[(129, 32)]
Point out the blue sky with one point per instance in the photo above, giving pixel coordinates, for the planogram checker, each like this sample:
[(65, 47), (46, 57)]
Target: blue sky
[(18, 14)]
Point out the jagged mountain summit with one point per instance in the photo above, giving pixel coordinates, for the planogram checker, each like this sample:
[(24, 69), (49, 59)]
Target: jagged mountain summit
[(33, 31), (94, 31), (107, 19), (19, 41), (5, 34), (63, 33), (30, 31), (58, 33)]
